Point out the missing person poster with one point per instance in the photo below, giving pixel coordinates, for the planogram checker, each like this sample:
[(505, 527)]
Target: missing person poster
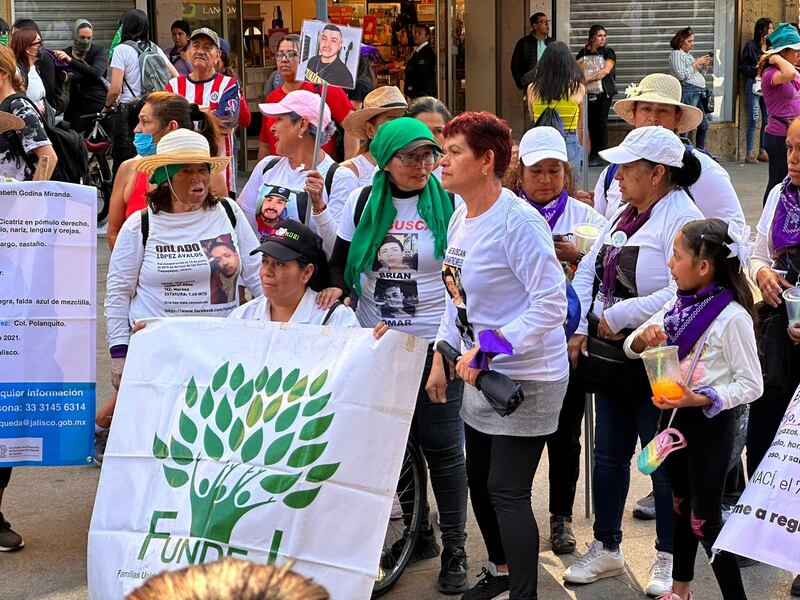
[(765, 523), (329, 53), (48, 266), (265, 442)]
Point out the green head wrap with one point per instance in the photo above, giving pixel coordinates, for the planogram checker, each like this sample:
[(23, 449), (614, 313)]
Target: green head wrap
[(161, 174), (433, 205), (115, 42)]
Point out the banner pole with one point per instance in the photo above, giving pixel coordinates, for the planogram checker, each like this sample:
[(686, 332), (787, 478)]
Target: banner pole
[(318, 137)]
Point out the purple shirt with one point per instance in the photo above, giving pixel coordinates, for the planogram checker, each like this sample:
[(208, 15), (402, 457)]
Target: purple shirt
[(783, 102), (182, 66)]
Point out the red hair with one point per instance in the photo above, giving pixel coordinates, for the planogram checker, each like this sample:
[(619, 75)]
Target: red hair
[(484, 131), (20, 42)]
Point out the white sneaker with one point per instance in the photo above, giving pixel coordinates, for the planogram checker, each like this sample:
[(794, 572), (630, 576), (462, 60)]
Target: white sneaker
[(660, 575), (596, 564)]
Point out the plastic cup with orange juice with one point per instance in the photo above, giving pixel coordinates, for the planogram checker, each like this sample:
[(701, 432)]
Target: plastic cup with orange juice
[(664, 371)]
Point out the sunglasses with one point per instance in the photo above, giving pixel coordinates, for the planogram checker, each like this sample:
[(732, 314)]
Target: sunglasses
[(288, 55), (36, 43)]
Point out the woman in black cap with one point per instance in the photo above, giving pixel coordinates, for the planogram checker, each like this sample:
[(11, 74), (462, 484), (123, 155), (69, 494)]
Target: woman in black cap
[(294, 269)]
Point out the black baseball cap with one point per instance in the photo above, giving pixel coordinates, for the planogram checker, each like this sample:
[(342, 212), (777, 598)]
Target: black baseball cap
[(292, 240)]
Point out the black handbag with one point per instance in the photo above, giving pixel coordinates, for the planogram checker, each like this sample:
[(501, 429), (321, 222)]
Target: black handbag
[(707, 101), (776, 351), (606, 363)]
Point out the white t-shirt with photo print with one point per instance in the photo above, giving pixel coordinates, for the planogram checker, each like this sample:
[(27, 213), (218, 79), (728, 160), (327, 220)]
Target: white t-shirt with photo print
[(404, 287), (283, 175), (192, 265)]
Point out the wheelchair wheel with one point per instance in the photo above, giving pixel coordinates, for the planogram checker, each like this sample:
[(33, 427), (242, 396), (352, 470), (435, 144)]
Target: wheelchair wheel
[(402, 534)]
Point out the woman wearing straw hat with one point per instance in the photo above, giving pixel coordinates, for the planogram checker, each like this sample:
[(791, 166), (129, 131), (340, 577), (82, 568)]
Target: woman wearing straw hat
[(657, 101), (622, 282), (380, 105), (780, 84), (161, 265), (321, 190), (409, 205), (691, 73)]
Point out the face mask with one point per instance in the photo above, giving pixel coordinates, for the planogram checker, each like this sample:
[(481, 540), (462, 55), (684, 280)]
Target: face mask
[(144, 144), (81, 46)]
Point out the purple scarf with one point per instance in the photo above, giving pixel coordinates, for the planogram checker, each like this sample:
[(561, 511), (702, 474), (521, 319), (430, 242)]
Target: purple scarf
[(629, 222), (786, 221), (551, 211), (692, 314)]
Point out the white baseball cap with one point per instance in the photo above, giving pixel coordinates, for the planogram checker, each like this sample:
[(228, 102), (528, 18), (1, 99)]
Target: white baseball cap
[(655, 144), (540, 143)]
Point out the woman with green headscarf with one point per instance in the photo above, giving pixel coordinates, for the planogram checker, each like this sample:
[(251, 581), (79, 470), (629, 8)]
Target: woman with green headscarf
[(389, 248), (87, 62)]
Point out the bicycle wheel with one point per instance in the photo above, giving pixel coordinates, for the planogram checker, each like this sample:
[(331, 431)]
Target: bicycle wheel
[(401, 535), (100, 175)]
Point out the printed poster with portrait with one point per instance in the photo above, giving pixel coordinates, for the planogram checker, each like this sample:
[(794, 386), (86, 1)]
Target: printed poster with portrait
[(274, 205), (396, 263), (329, 53)]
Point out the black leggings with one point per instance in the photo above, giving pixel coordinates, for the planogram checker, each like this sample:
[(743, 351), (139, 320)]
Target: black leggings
[(775, 145), (697, 476), (500, 472), (5, 477), (564, 449), (597, 116)]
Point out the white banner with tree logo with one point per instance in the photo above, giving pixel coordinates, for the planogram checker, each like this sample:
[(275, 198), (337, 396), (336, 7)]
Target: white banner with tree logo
[(765, 523), (257, 441)]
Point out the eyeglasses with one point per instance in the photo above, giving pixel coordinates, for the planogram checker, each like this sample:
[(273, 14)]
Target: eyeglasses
[(289, 55), (410, 160)]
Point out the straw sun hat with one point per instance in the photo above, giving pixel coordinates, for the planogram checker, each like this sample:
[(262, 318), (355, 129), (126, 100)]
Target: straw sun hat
[(181, 147), (380, 100), (664, 89)]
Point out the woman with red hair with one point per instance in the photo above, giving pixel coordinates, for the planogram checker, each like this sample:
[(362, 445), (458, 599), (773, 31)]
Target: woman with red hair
[(501, 259)]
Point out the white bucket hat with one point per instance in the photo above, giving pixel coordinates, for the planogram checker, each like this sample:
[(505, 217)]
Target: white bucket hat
[(663, 89), (655, 144), (540, 143)]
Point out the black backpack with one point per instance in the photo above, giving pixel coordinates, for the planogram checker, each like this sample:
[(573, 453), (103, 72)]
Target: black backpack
[(73, 159)]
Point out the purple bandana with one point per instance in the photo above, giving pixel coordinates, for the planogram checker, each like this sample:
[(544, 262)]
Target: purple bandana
[(551, 211), (629, 222), (786, 221), (692, 314)]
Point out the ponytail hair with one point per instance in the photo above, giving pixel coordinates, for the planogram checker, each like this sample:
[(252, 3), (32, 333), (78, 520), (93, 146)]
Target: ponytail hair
[(688, 174), (707, 239), (169, 107)]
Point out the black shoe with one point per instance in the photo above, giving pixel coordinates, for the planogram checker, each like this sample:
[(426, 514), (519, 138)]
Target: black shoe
[(562, 540), (9, 540), (453, 574), (795, 591), (488, 587), (426, 547)]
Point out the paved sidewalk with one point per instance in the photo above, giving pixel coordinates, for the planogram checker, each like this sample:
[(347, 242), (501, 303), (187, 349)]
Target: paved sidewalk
[(51, 508)]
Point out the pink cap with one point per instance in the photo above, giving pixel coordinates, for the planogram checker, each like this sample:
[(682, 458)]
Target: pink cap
[(302, 102)]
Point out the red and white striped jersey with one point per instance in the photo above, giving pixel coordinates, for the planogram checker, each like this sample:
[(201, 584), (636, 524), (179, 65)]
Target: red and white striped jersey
[(206, 94)]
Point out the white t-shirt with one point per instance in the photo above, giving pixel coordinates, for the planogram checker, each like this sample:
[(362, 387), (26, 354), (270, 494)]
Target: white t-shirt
[(763, 252), (575, 213), (184, 271), (728, 360), (502, 273), (126, 58), (282, 174), (35, 91), (643, 264), (365, 169), (713, 193), (404, 287), (306, 312)]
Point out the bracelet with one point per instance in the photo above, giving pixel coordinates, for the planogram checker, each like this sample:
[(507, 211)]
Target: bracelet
[(314, 211)]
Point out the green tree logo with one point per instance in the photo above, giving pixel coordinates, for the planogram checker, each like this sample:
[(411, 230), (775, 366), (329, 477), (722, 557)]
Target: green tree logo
[(236, 424)]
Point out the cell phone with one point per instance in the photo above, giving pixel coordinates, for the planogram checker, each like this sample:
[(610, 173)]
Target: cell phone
[(711, 54), (557, 237)]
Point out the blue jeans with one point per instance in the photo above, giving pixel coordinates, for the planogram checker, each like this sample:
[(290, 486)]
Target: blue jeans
[(690, 94), (574, 152), (629, 414), (754, 103)]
